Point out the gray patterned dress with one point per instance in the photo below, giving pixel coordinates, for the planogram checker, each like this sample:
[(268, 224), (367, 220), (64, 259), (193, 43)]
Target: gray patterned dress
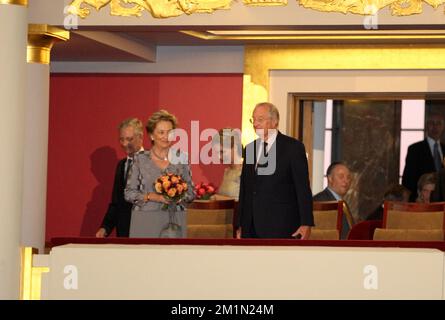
[(147, 218)]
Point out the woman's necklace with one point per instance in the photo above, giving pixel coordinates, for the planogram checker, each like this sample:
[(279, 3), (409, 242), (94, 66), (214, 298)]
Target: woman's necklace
[(157, 156)]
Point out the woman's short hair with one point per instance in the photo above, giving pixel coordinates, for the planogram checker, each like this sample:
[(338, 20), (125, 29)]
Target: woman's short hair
[(397, 192), (229, 136), (161, 115), (427, 178), (135, 123)]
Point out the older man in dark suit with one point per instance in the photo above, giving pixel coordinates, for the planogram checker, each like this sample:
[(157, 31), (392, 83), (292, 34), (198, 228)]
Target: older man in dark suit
[(118, 215), (424, 156), (339, 182), (275, 198)]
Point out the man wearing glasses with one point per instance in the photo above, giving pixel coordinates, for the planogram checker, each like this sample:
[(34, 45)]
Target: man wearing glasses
[(118, 215), (275, 199)]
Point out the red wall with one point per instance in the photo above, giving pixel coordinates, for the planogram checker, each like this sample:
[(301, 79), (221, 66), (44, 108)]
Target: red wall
[(83, 150)]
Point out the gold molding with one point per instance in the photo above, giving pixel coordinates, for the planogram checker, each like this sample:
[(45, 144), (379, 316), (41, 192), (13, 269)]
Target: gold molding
[(41, 39), (265, 3), (30, 277), (15, 2), (321, 35), (260, 60)]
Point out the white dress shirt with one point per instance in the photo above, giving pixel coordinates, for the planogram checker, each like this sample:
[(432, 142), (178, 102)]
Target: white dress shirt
[(131, 159), (431, 143), (272, 136)]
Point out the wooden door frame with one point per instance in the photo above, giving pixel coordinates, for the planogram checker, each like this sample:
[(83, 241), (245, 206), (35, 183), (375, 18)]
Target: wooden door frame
[(300, 128)]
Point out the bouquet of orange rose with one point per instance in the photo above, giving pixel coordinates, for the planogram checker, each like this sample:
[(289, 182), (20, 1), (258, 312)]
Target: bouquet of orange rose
[(172, 187), (204, 191)]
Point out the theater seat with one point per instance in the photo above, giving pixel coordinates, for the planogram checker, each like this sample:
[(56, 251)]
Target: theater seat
[(408, 235), (412, 222), (210, 219), (317, 234), (327, 219), (417, 216)]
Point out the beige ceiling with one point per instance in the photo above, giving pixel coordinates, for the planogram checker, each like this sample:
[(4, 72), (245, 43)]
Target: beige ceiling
[(113, 43)]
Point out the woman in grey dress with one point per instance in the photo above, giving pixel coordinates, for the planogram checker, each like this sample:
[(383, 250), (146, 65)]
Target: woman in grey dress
[(147, 217)]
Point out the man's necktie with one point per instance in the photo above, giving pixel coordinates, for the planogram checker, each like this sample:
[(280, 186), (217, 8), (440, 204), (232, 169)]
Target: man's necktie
[(127, 167), (262, 159), (437, 158)]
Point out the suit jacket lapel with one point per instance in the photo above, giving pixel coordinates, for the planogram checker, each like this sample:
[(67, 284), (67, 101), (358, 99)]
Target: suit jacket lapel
[(122, 172), (270, 164), (427, 150)]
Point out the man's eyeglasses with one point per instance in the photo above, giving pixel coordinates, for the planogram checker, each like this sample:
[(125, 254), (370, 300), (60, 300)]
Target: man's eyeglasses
[(258, 120)]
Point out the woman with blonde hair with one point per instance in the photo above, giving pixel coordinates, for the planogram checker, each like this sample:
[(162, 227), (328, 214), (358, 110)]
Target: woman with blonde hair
[(148, 219), (425, 187), (228, 144)]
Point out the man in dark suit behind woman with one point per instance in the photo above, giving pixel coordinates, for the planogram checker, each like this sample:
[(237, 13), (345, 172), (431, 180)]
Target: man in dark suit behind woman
[(118, 215), (424, 156), (275, 198)]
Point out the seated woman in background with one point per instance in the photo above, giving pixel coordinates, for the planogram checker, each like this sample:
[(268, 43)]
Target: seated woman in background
[(396, 192), (425, 186), (228, 143)]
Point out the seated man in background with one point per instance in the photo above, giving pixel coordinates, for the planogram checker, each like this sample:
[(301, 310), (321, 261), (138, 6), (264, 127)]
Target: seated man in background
[(339, 182), (396, 192)]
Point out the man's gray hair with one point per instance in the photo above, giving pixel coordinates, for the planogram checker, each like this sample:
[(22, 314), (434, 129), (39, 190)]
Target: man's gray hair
[(273, 111), (135, 123)]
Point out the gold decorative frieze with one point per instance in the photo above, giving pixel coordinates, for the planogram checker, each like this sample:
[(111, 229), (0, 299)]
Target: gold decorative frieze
[(174, 8), (158, 9), (370, 7), (15, 2), (41, 39)]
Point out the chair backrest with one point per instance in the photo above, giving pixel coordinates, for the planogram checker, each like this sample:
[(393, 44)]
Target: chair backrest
[(417, 216), (408, 235), (328, 220), (210, 219), (404, 221)]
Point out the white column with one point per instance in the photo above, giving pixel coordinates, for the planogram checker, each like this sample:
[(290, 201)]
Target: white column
[(318, 146), (13, 36), (41, 38), (36, 157)]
